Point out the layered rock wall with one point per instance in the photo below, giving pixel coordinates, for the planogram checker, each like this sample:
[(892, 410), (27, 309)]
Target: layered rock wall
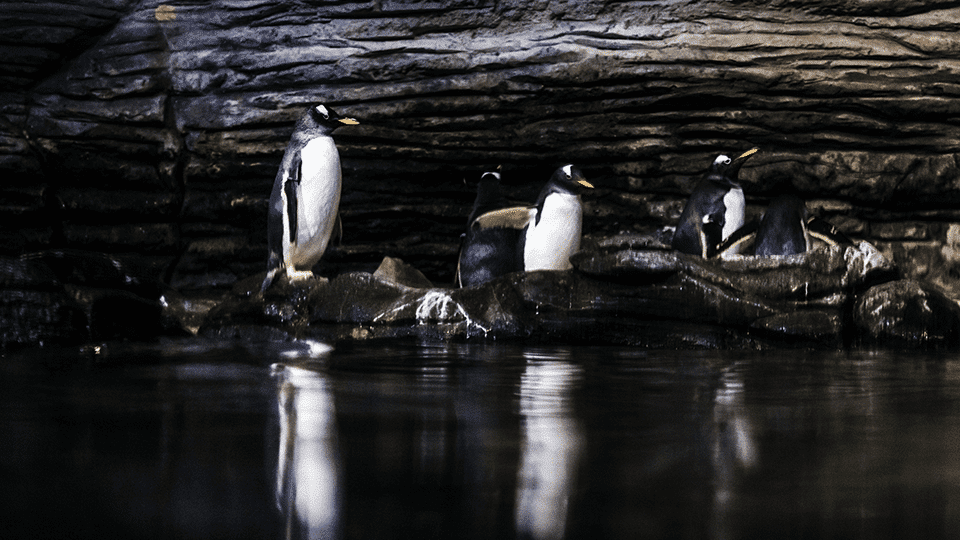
[(154, 129)]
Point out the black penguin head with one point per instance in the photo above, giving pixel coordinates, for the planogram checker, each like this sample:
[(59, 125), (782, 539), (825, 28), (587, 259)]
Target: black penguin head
[(725, 170), (488, 197), (488, 189), (568, 179), (323, 117)]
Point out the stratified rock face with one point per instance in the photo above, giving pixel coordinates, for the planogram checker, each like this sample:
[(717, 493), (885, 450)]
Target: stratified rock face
[(156, 127)]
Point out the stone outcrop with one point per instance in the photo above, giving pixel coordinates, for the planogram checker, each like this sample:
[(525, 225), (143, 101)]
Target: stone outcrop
[(153, 129), (620, 293), (626, 290)]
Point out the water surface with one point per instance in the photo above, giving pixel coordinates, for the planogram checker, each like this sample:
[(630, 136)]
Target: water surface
[(202, 439)]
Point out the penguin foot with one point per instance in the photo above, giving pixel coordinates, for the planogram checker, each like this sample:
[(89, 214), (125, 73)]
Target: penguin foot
[(299, 275), (292, 276)]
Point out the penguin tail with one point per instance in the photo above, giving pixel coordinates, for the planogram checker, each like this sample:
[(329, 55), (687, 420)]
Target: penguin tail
[(273, 267), (268, 280)]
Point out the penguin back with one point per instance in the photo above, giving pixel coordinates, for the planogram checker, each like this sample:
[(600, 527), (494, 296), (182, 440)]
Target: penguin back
[(783, 229)]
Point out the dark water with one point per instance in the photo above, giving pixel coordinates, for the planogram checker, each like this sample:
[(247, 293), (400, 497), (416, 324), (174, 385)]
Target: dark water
[(193, 439)]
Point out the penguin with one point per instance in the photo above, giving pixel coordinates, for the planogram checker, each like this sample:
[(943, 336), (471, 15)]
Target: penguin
[(714, 211), (553, 233), (526, 238), (788, 228), (304, 203), (783, 228), (487, 251)]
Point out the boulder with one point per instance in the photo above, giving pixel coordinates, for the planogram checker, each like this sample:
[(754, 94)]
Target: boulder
[(907, 312)]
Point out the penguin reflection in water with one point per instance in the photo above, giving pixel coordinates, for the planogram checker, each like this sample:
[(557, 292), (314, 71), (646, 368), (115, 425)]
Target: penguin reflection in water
[(540, 237), (305, 200), (788, 228), (714, 211)]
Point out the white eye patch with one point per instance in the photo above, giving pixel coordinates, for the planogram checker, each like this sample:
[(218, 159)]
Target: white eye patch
[(568, 170), (323, 110), (722, 160)]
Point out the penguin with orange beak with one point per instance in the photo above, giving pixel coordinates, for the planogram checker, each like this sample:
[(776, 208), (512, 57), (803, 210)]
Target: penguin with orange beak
[(305, 201), (715, 209), (539, 237)]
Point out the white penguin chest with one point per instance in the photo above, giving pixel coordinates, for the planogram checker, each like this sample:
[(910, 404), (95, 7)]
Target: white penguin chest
[(733, 217), (318, 197), (550, 243)]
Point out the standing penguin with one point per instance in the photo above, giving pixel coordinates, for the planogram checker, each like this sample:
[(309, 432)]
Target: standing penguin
[(305, 200), (553, 233), (715, 209), (540, 237), (787, 228)]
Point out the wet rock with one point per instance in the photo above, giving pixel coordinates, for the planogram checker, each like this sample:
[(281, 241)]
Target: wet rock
[(37, 317), (817, 325), (743, 302), (401, 273), (186, 313), (627, 263), (908, 312), (286, 304), (67, 296), (117, 314)]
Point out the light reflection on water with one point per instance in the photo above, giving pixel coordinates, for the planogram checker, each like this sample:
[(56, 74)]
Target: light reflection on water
[(477, 441)]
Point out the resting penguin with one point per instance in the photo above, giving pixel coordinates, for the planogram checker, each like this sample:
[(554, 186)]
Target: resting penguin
[(487, 252), (715, 209), (305, 197), (540, 237), (787, 228), (783, 229)]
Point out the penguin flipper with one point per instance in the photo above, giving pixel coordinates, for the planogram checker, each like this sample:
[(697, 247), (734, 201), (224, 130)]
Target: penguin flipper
[(711, 234), (823, 230), (740, 237), (290, 189), (507, 218)]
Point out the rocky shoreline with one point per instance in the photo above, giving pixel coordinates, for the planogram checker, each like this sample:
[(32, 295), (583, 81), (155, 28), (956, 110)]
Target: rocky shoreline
[(627, 290)]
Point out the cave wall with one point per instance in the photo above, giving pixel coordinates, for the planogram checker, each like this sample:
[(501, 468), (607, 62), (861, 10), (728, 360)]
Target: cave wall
[(154, 129)]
